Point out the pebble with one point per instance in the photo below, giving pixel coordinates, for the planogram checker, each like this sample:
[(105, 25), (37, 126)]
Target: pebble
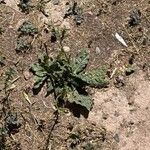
[(26, 75), (97, 50), (55, 2), (116, 137), (66, 49)]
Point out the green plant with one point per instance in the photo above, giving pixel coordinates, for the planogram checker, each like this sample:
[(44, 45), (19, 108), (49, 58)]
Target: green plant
[(74, 140), (11, 126), (67, 79), (27, 28), (8, 77), (2, 138), (24, 41), (11, 122), (58, 35), (9, 119), (25, 5), (23, 45), (41, 7), (72, 9), (88, 146)]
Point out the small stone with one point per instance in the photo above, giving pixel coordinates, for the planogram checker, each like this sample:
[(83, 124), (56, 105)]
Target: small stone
[(116, 137), (66, 49), (130, 101), (105, 116), (97, 50), (26, 75), (55, 2)]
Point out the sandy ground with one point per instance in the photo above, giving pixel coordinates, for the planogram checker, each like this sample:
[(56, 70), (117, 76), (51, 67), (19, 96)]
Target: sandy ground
[(129, 123)]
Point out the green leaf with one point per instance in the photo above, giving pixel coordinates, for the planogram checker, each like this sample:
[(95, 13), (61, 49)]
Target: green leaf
[(80, 99), (38, 70), (80, 62), (39, 81), (95, 78), (49, 86), (28, 28)]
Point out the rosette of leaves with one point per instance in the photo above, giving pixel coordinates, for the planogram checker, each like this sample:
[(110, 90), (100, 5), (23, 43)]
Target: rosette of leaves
[(23, 44), (72, 9), (25, 6), (67, 79), (26, 33), (27, 28)]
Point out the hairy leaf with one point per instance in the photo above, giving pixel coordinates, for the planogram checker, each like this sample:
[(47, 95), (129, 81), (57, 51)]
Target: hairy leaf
[(39, 81), (28, 28), (25, 5), (38, 70), (49, 86), (95, 78), (80, 62), (80, 99)]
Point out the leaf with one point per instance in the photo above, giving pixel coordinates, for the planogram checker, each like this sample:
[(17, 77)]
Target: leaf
[(38, 70), (28, 28), (80, 62), (80, 99), (95, 78), (61, 92), (39, 81), (49, 86), (77, 82)]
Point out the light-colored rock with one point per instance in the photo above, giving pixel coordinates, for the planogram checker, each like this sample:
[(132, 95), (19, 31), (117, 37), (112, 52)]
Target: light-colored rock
[(26, 75), (66, 49), (97, 50)]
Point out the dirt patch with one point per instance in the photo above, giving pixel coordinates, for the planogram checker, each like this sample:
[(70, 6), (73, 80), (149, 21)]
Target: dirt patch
[(127, 121)]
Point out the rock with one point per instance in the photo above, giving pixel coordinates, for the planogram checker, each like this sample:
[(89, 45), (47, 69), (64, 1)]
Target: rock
[(105, 116), (55, 2), (66, 49), (26, 75), (116, 137), (98, 50)]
